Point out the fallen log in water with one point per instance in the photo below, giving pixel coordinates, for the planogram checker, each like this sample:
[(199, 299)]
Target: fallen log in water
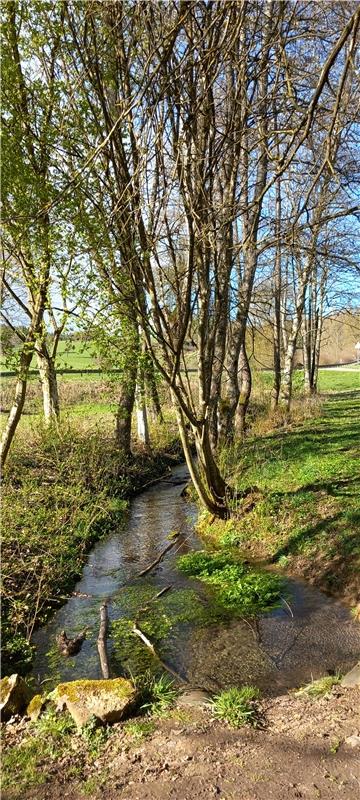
[(159, 558), (101, 642)]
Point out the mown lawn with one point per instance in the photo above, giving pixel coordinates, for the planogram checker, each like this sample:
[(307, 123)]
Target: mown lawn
[(330, 380)]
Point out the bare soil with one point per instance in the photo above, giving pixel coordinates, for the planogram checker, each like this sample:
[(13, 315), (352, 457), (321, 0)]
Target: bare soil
[(303, 749)]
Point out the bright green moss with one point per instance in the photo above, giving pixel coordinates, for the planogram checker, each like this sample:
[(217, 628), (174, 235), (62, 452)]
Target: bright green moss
[(76, 690)]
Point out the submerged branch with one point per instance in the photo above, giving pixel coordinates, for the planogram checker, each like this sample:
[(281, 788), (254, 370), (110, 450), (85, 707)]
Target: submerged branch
[(151, 647), (159, 558), (101, 642)]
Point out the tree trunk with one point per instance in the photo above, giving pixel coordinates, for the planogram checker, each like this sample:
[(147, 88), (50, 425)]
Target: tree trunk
[(277, 302), (286, 380), (18, 402), (245, 391), (208, 495), (48, 378), (317, 348), (124, 413), (150, 380), (306, 355), (141, 410)]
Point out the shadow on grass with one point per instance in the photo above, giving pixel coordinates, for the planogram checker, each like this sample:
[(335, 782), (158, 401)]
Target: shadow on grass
[(334, 488), (338, 430), (340, 554)]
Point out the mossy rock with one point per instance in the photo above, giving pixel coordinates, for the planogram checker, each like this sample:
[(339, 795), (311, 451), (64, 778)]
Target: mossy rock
[(107, 700), (14, 696), (36, 707)]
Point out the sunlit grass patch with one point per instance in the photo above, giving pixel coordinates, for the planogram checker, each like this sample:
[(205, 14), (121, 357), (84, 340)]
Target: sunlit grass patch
[(237, 706), (308, 508), (318, 688), (139, 729), (47, 740)]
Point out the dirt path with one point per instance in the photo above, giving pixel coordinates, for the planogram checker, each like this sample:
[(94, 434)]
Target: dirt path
[(306, 749)]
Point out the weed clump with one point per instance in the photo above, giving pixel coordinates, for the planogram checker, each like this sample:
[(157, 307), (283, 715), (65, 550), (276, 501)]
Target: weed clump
[(319, 688), (236, 706), (159, 694)]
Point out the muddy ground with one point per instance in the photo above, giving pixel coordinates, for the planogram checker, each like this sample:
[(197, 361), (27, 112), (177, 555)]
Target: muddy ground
[(304, 749)]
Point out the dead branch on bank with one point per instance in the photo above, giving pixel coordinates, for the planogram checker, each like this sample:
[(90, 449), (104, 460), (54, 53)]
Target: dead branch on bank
[(156, 480)]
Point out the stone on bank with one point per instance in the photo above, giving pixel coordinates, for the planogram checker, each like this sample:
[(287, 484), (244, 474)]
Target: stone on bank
[(108, 700), (14, 696)]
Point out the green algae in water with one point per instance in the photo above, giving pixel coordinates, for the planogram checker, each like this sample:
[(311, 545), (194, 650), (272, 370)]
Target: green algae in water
[(157, 618), (237, 588)]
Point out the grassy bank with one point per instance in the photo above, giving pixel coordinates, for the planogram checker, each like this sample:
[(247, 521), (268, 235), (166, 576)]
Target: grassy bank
[(304, 514), (62, 491)]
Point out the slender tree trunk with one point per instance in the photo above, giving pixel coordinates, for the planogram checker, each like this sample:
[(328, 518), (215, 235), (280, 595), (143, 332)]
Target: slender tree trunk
[(124, 412), (26, 356), (277, 303), (151, 385), (291, 339), (48, 379), (306, 355), (141, 410), (245, 391), (202, 482), (317, 349), (18, 402), (286, 380)]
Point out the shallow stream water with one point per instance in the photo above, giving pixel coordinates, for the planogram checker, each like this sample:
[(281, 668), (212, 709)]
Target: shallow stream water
[(309, 636)]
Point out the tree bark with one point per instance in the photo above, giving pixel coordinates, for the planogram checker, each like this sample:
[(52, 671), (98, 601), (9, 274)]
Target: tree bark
[(213, 498), (124, 412), (277, 302), (150, 381), (286, 380), (49, 386), (101, 642), (17, 406), (141, 409), (245, 391)]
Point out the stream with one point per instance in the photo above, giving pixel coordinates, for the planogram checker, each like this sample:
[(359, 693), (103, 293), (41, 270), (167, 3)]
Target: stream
[(311, 636)]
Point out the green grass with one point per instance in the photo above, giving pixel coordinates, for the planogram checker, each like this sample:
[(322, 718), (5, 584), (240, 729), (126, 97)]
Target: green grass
[(236, 706), (48, 740), (318, 688), (339, 380), (159, 693), (308, 510), (330, 380), (70, 355), (139, 729)]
